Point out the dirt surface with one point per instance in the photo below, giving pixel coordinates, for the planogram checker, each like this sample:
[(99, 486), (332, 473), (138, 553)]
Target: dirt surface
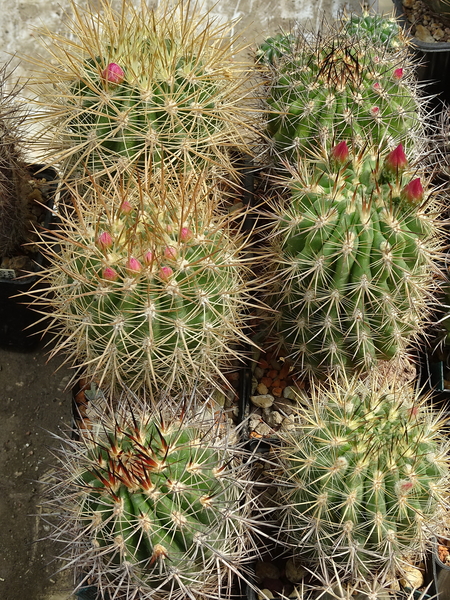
[(33, 403)]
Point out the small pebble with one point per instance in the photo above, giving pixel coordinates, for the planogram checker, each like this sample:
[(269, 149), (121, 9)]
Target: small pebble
[(259, 372), (287, 424), (423, 34), (263, 401), (275, 418), (290, 393), (263, 429), (412, 577), (294, 571), (266, 569), (261, 388), (265, 595), (284, 406)]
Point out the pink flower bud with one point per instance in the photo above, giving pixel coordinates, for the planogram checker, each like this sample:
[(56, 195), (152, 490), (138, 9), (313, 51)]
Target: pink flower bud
[(133, 265), (396, 160), (186, 234), (110, 274), (403, 487), (113, 73), (375, 111), (377, 87), (170, 252), (398, 73), (413, 191), (148, 257), (340, 153), (126, 207), (165, 273), (104, 240)]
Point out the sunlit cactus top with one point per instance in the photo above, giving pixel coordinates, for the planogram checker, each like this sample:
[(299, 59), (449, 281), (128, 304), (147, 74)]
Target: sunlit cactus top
[(141, 86)]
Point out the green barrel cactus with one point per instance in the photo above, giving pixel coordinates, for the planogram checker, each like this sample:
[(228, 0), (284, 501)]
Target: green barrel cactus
[(380, 29), (151, 292), (140, 87), (354, 261), (363, 478), (337, 87), (151, 506)]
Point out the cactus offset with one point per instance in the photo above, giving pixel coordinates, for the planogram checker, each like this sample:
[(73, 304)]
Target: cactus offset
[(363, 478), (141, 87), (152, 506), (355, 261), (380, 29), (151, 292), (338, 87)]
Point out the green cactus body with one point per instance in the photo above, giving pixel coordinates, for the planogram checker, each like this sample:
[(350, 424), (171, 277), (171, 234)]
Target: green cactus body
[(152, 293), (156, 504), (339, 88), (380, 29), (143, 87), (355, 258), (365, 476)]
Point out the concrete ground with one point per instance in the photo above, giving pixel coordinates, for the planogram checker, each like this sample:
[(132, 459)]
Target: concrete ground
[(33, 404)]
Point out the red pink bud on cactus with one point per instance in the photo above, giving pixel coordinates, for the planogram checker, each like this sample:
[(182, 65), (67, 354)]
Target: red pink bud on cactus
[(165, 273), (340, 152), (104, 240), (110, 274), (186, 234), (396, 161), (375, 111), (133, 265), (170, 252), (398, 73), (113, 73), (148, 258), (413, 191), (126, 207)]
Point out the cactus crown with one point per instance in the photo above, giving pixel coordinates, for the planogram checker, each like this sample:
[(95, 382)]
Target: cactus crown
[(366, 471), (154, 505), (151, 288), (140, 87)]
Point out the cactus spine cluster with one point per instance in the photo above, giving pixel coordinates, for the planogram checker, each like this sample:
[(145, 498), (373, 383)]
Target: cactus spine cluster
[(148, 289), (354, 260), (157, 505), (339, 86), (142, 87), (364, 476)]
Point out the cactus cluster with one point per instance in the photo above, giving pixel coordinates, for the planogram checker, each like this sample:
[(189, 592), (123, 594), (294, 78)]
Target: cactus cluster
[(157, 505), (148, 288), (362, 477), (378, 29), (355, 264), (334, 87), (141, 87)]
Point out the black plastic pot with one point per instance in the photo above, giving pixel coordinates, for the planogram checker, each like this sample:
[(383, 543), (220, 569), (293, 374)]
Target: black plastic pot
[(434, 60), (441, 575), (17, 321)]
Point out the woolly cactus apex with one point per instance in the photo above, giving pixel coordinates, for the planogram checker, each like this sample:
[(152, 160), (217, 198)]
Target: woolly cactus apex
[(152, 297), (333, 86), (151, 505), (362, 479), (355, 264), (133, 89)]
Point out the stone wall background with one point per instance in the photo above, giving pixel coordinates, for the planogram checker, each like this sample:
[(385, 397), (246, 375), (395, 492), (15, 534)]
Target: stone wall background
[(19, 20)]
